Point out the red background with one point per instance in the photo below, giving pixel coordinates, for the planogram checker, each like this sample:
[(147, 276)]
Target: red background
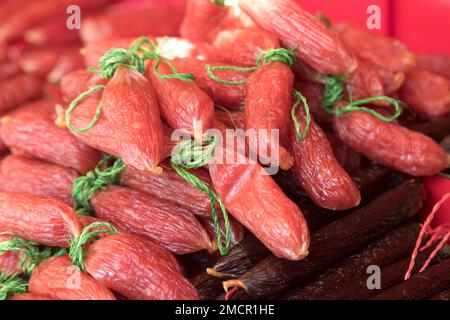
[(423, 24)]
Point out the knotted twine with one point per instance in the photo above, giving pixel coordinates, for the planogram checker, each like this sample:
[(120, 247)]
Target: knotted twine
[(31, 255), (11, 285), (282, 55), (84, 187), (192, 155), (77, 252), (334, 92)]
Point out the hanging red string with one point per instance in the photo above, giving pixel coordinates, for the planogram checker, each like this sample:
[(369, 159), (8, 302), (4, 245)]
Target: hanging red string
[(440, 233)]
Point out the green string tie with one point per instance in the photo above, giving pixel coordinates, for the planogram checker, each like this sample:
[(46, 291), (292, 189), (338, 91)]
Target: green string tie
[(149, 51), (300, 99), (192, 155), (220, 3), (31, 255), (75, 103), (90, 233), (86, 186), (11, 285), (334, 89), (355, 106), (280, 54), (334, 92)]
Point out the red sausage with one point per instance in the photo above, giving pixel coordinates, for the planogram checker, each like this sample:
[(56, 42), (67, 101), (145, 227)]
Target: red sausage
[(76, 82), (426, 93), (318, 171), (202, 20), (243, 46), (42, 179), (88, 220), (101, 136), (66, 63), (135, 270), (256, 201), (51, 32), (364, 82), (19, 90), (31, 131), (392, 145), (41, 61), (35, 12), (163, 222), (131, 108), (435, 63), (267, 107), (388, 57), (317, 46), (57, 278), (170, 186), (161, 20), (45, 221), (313, 92), (183, 104)]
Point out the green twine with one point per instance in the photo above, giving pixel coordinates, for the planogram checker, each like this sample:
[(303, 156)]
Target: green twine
[(75, 103), (115, 58), (210, 71), (86, 186), (31, 255), (334, 92), (300, 99), (220, 3), (192, 179), (280, 54), (192, 155), (92, 232), (139, 45), (355, 106), (334, 89), (11, 285)]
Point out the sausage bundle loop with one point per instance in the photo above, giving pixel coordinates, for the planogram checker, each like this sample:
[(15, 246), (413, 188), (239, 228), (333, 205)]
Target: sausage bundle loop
[(29, 252), (191, 155), (11, 285), (280, 54), (77, 252), (86, 186)]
